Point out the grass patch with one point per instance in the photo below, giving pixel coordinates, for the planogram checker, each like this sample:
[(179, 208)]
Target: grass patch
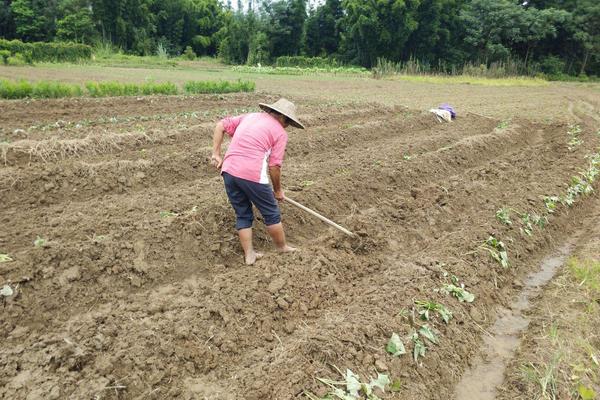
[(587, 273), (42, 89), (104, 89), (300, 71), (51, 89), (198, 87), (473, 80)]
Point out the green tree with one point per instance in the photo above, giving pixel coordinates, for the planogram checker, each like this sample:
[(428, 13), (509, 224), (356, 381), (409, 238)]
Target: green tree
[(7, 23), (75, 22), (34, 19), (377, 28), (322, 33)]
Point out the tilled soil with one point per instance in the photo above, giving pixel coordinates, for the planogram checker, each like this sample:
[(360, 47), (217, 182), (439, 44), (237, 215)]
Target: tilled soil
[(140, 292)]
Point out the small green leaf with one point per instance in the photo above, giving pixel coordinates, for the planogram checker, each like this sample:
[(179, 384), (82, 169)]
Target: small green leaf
[(381, 382), (352, 383), (395, 346), (586, 393), (39, 242), (419, 349), (396, 386), (6, 291), (428, 334), (5, 258)]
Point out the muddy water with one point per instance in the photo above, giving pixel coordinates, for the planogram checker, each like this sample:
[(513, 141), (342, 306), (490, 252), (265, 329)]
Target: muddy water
[(479, 382)]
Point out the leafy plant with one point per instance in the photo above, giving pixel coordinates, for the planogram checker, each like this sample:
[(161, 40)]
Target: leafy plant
[(407, 157), (574, 139), (550, 203), (459, 292), (419, 348), (527, 228), (39, 242), (503, 124), (5, 258), (427, 333), (6, 291), (395, 346), (497, 250), (427, 307), (351, 388), (541, 222), (503, 215)]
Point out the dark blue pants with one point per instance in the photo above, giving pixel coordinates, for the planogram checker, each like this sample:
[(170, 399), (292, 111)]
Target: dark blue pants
[(243, 193)]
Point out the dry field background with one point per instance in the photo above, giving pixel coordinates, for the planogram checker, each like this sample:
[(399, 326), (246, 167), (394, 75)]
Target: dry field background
[(139, 291)]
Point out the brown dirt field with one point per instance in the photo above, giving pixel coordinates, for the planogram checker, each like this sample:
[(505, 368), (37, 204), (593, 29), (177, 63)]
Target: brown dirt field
[(125, 303)]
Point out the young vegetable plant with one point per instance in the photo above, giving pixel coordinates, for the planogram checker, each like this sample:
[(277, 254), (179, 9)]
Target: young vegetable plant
[(574, 139), (459, 292), (395, 346), (351, 388), (550, 203), (526, 220), (497, 250), (426, 308), (503, 215), (40, 242)]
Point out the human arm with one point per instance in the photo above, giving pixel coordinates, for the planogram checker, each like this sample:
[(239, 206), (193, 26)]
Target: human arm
[(216, 159), (275, 174)]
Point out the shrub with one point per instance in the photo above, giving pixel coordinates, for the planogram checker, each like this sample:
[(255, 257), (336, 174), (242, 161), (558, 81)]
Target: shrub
[(49, 52), (306, 62), (189, 53), (16, 60), (198, 87), (4, 55)]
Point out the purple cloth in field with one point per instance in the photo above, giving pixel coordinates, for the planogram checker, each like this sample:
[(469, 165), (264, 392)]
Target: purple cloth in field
[(449, 108)]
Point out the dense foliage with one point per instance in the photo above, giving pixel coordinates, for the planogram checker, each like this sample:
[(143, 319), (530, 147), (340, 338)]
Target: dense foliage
[(550, 36)]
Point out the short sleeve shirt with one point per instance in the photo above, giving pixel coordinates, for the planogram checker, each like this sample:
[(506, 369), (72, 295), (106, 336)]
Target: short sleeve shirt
[(257, 142)]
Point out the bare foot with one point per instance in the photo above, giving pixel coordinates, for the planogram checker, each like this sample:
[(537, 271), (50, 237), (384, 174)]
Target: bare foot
[(287, 249), (252, 257)]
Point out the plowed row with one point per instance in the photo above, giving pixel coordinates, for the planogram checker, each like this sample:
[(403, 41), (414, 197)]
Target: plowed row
[(140, 291)]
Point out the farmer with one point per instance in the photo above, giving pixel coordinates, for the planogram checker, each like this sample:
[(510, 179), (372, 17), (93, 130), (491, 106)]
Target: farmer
[(256, 152)]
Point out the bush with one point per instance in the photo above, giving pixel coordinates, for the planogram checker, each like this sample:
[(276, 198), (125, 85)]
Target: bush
[(552, 65), (198, 87), (4, 55), (189, 53), (16, 60), (48, 52)]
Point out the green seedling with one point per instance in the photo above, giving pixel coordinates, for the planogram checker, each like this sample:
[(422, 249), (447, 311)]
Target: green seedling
[(526, 220), (6, 291), (395, 346), (459, 292), (307, 183), (396, 386), (541, 222), (425, 308), (503, 124), (167, 214), (428, 334), (574, 139), (39, 242), (419, 349), (351, 388), (503, 215), (550, 203), (5, 258), (497, 250), (407, 157)]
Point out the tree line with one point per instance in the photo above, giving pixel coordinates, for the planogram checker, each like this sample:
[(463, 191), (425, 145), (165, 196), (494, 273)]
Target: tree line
[(552, 36)]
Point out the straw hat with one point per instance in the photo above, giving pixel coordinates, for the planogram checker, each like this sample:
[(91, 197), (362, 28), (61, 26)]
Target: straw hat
[(285, 107)]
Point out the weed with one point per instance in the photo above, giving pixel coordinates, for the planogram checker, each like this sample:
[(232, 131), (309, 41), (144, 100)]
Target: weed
[(40, 242), (5, 258), (497, 250), (307, 183), (544, 378), (503, 215), (425, 308), (395, 346), (586, 272), (407, 157), (586, 393), (351, 388), (168, 214)]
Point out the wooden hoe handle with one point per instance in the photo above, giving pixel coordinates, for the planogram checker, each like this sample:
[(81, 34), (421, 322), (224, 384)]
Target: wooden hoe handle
[(322, 218)]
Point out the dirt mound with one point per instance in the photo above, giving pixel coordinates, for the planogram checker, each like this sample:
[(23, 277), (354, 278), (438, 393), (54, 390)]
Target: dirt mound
[(137, 289)]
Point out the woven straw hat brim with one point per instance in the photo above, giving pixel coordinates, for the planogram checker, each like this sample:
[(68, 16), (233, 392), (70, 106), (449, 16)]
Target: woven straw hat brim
[(292, 118)]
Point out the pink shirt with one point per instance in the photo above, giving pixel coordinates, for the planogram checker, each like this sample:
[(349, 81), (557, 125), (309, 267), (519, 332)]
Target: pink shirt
[(258, 142)]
